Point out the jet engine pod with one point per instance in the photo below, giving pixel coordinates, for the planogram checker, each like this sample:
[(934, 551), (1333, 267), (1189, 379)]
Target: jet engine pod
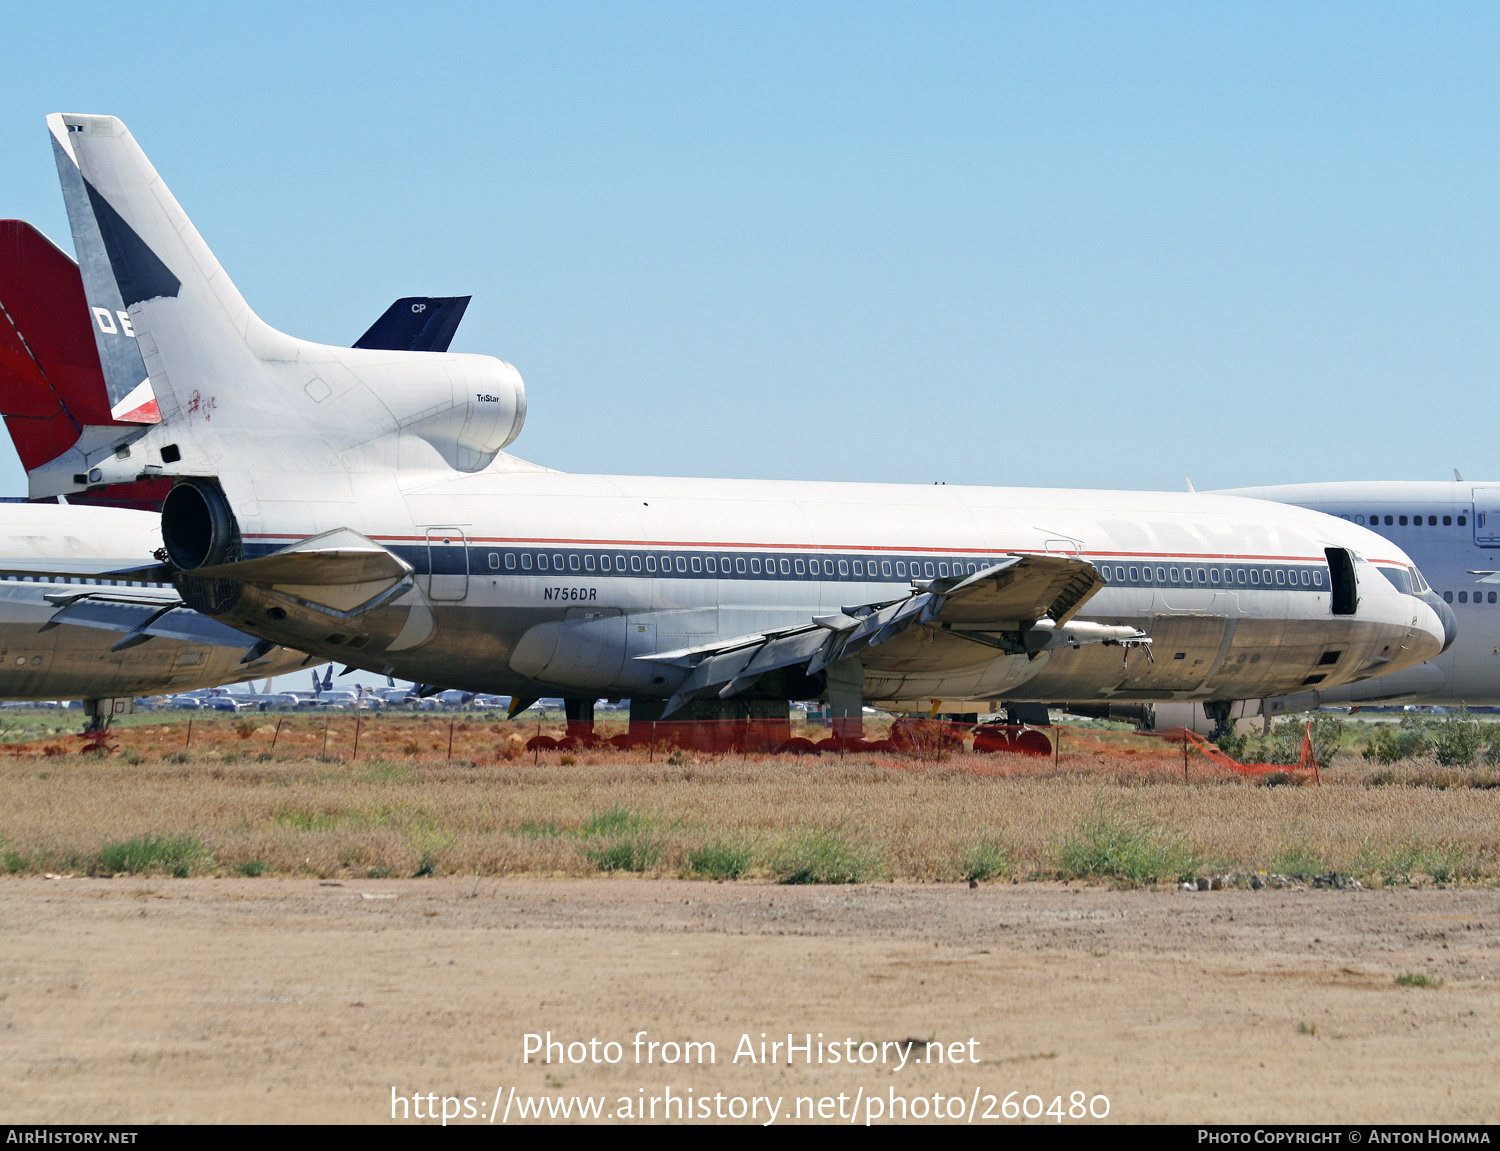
[(470, 413), (197, 525)]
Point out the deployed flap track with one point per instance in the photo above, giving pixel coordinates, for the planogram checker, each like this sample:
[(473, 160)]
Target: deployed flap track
[(1020, 606)]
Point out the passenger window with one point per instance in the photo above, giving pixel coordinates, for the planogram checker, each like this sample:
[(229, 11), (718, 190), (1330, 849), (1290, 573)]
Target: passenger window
[(901, 568), (973, 570), (1432, 521), (572, 563), (1463, 597), (525, 561), (739, 565), (697, 564), (755, 565), (1280, 577), (681, 564), (557, 562), (650, 563), (1359, 519), (1491, 597), (927, 567), (801, 569), (1161, 575), (1447, 597), (510, 561), (541, 561), (494, 559), (588, 562), (885, 567), (1120, 574), (1134, 576), (635, 563), (1317, 579), (942, 569), (604, 562), (1462, 520), (1388, 520), (1213, 574), (1401, 521), (843, 567), (1172, 574), (724, 564), (1254, 576), (859, 567), (1304, 577), (708, 562), (1202, 575)]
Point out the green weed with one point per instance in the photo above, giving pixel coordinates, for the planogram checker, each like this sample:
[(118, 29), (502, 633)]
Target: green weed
[(1107, 847), (1408, 980), (985, 861), (719, 860), (178, 854), (825, 856), (254, 867)]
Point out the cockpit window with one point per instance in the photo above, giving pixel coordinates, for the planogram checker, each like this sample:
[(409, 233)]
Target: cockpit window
[(1418, 584), (1400, 579)]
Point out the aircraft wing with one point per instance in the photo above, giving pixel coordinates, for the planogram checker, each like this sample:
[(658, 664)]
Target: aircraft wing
[(143, 614), (1021, 606)]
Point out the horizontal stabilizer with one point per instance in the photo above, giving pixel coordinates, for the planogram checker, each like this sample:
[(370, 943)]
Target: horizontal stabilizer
[(337, 557)]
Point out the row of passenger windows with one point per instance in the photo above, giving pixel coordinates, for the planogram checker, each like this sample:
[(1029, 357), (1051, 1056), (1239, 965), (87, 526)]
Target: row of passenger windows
[(1463, 597), (651, 563), (1218, 577), (1416, 521), (90, 580)]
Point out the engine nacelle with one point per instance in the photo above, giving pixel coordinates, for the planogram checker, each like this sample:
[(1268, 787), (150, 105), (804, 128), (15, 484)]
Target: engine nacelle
[(467, 407)]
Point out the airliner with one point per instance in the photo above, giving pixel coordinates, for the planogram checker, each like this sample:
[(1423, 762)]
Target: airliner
[(358, 504)]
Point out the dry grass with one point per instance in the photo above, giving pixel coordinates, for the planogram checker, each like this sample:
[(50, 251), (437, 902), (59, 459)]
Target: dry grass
[(868, 816)]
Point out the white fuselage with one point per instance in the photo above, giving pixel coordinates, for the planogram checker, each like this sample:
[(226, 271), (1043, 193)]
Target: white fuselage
[(1234, 593)]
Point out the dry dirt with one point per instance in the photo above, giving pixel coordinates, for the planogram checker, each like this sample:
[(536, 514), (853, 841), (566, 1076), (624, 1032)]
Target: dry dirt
[(276, 1000)]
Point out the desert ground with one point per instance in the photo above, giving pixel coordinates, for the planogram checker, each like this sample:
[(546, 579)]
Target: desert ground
[(265, 1000), (227, 931)]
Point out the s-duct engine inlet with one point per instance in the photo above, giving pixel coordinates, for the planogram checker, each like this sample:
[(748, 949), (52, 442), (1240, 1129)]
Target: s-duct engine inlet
[(197, 526)]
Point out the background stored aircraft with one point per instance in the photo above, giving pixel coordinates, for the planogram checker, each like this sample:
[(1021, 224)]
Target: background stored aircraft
[(357, 504)]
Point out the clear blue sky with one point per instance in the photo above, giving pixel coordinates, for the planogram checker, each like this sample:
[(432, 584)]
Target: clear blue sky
[(1101, 245)]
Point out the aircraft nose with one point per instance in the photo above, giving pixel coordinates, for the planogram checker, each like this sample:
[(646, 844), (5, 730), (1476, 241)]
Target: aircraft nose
[(1444, 613)]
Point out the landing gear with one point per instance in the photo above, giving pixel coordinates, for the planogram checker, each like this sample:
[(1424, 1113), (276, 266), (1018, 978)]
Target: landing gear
[(1219, 710)]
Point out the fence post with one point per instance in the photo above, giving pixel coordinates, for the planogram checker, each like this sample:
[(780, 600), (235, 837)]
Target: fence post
[(189, 742), (277, 734), (357, 720), (1056, 748), (1184, 755), (450, 739)]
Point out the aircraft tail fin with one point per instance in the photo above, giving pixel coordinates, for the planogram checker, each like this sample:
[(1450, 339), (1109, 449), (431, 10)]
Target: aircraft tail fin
[(51, 385), (144, 264), (416, 324)]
